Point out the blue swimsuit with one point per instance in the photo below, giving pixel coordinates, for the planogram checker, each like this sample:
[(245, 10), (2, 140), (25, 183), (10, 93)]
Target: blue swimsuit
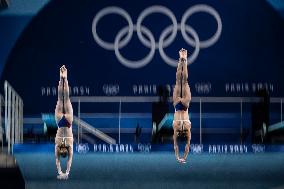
[(63, 122), (179, 106)]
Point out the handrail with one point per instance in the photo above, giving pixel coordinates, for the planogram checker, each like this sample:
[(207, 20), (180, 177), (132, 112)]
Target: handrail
[(94, 131), (137, 99)]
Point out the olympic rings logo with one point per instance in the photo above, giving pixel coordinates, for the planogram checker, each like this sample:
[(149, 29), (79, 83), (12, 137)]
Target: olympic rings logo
[(164, 41)]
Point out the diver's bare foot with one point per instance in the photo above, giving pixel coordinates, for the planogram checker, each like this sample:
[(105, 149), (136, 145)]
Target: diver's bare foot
[(63, 72), (183, 53)]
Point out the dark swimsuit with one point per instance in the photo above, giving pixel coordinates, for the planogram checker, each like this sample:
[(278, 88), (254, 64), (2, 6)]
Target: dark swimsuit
[(63, 122), (179, 106)]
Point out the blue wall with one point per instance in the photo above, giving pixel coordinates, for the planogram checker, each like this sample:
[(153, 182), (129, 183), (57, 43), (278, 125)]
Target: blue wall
[(249, 51)]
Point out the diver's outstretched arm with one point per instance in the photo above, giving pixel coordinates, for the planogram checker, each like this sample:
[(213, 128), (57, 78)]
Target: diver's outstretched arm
[(57, 161), (175, 135), (188, 138), (69, 161)]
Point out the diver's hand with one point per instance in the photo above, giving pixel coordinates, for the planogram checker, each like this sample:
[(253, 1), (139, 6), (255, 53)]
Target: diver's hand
[(63, 176)]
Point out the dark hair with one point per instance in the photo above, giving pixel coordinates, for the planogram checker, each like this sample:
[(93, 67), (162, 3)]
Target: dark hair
[(182, 134), (63, 151)]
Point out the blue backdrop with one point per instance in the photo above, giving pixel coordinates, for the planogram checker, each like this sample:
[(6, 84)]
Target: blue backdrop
[(247, 55)]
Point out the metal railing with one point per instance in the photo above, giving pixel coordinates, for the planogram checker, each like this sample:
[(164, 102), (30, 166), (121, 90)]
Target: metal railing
[(201, 100)]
